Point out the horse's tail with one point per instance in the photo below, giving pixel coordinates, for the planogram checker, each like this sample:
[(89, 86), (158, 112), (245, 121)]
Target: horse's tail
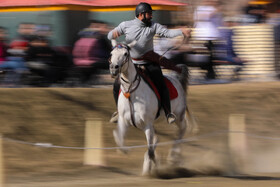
[(183, 77), (192, 126)]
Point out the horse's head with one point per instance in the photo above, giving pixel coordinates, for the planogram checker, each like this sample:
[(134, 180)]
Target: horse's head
[(120, 57)]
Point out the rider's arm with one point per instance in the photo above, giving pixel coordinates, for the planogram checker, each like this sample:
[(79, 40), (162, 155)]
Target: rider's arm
[(171, 33), (113, 34), (116, 32)]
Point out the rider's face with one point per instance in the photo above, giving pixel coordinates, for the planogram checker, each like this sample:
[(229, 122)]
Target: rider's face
[(146, 18), (148, 15)]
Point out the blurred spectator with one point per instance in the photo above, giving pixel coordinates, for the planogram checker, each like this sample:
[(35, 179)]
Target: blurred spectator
[(91, 51), (41, 60), (3, 45), (217, 17), (207, 20), (26, 31), (274, 20), (226, 47), (14, 64), (44, 30), (104, 43), (98, 30), (90, 31), (255, 13), (18, 46)]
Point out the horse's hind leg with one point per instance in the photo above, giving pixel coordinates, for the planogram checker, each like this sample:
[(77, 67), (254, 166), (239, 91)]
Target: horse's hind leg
[(150, 157), (119, 134), (174, 156)]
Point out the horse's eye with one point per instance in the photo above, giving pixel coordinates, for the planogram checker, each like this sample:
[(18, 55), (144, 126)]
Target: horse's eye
[(125, 54)]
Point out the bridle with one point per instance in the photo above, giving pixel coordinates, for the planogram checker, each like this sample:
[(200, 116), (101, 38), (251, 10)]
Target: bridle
[(120, 46), (137, 76)]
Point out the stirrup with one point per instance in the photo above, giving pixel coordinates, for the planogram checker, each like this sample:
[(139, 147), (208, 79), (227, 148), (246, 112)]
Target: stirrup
[(114, 118), (171, 118)]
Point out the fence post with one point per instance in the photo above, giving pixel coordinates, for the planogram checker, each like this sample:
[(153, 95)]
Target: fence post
[(237, 141), (93, 139), (1, 163)]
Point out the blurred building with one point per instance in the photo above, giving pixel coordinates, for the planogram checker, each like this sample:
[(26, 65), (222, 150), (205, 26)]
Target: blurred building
[(63, 19)]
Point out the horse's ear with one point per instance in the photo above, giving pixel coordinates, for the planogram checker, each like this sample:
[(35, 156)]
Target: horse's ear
[(114, 42), (132, 44)]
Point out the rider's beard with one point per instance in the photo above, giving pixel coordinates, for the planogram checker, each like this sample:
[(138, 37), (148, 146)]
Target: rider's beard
[(148, 22)]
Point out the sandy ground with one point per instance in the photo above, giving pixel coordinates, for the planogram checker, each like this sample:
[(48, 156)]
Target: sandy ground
[(58, 116)]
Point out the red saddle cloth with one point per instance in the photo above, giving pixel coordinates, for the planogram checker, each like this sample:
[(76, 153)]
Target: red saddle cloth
[(173, 94)]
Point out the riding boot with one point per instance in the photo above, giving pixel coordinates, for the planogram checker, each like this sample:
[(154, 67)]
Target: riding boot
[(151, 56), (116, 90), (165, 101)]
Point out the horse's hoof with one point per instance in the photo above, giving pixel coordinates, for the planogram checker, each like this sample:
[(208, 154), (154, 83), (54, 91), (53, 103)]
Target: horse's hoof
[(116, 137), (115, 117), (120, 148), (146, 174)]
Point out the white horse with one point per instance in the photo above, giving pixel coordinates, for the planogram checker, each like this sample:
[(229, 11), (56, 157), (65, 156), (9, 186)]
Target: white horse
[(138, 104)]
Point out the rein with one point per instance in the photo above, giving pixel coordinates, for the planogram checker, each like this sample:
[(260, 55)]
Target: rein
[(173, 47), (131, 89)]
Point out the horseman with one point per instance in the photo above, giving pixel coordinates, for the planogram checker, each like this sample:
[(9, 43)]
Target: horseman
[(142, 29)]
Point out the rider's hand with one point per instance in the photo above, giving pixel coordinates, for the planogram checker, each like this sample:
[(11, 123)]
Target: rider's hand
[(115, 34), (186, 32)]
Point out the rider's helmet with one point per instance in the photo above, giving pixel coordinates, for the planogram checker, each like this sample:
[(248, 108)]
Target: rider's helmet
[(143, 8)]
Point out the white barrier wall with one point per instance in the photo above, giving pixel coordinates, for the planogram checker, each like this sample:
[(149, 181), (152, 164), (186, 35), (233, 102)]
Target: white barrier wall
[(237, 141), (94, 139)]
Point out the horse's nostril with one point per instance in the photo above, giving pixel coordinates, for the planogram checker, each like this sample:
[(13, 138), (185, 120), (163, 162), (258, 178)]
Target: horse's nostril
[(117, 66)]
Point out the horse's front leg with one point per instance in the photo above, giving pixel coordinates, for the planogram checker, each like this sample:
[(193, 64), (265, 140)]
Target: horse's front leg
[(119, 134), (149, 157)]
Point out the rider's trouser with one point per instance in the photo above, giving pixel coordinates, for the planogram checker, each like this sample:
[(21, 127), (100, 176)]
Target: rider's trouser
[(155, 73)]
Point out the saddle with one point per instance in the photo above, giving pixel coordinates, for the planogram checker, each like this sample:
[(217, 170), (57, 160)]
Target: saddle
[(173, 94)]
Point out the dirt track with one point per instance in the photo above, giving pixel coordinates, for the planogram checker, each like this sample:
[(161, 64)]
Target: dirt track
[(58, 116)]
